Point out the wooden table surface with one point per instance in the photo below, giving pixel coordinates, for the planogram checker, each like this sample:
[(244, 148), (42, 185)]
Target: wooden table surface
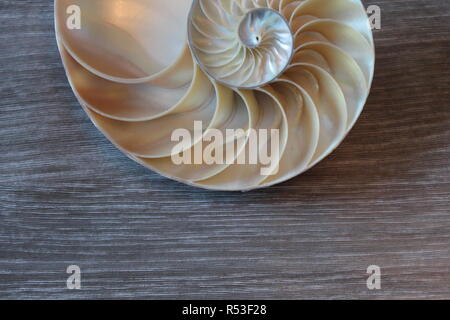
[(67, 196)]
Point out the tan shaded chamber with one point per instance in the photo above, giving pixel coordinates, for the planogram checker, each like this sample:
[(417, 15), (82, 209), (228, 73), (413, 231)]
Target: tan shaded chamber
[(133, 71)]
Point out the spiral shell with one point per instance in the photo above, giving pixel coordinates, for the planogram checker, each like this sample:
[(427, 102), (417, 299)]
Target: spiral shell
[(142, 69)]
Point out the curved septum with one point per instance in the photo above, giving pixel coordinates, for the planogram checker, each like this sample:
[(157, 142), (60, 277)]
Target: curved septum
[(246, 50)]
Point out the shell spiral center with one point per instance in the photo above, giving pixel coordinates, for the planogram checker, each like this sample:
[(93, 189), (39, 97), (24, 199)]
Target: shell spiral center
[(245, 48)]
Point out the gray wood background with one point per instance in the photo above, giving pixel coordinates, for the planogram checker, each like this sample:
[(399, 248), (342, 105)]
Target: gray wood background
[(67, 196)]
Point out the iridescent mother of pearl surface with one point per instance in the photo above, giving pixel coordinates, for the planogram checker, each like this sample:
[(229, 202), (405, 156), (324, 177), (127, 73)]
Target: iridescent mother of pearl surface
[(142, 69), (244, 48)]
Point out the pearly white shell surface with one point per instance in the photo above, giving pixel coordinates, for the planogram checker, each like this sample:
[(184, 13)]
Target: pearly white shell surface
[(144, 68)]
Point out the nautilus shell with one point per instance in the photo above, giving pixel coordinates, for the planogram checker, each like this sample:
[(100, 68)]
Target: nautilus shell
[(143, 69)]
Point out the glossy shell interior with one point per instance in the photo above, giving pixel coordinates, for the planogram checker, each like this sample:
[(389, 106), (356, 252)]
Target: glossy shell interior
[(137, 78)]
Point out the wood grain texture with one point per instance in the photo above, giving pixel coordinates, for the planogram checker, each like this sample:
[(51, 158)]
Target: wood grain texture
[(67, 196)]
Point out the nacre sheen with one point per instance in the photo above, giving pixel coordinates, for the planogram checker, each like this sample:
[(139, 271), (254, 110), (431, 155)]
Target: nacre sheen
[(143, 69), (243, 50)]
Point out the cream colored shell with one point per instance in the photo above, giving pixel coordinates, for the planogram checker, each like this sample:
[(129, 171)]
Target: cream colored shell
[(133, 72)]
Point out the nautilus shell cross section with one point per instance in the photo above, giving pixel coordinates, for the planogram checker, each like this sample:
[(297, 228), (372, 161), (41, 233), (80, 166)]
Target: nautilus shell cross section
[(152, 73)]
